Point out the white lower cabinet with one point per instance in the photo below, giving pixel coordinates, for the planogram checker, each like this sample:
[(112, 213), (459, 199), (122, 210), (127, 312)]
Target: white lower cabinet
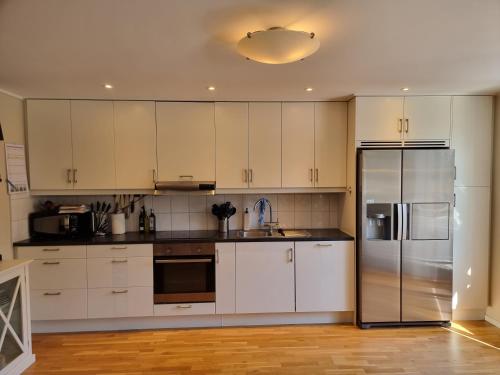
[(120, 272), (58, 304), (265, 277), (324, 276), (225, 273), (58, 274), (173, 309), (120, 302)]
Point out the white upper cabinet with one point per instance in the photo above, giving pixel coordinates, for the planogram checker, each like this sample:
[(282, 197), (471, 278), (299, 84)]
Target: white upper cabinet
[(427, 117), (330, 144), (265, 277), (93, 144), (298, 145), (49, 144), (231, 124), (379, 118), (324, 276), (135, 144), (185, 141), (265, 145), (472, 137)]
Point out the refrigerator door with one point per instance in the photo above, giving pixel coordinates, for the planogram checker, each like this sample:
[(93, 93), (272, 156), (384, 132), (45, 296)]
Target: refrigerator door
[(380, 226), (426, 251)]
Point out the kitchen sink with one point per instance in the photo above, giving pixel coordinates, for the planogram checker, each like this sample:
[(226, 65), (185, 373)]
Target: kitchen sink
[(261, 233)]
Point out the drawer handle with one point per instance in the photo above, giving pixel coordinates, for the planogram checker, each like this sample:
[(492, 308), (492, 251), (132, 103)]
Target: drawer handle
[(119, 261), (56, 249), (119, 248), (184, 306), (324, 244), (52, 293), (51, 263), (119, 291)]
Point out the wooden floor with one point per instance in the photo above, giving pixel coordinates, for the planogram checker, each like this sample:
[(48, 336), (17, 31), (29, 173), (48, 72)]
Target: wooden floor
[(319, 349)]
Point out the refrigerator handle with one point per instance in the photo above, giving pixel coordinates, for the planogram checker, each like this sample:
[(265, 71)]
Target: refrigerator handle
[(399, 218), (405, 221)]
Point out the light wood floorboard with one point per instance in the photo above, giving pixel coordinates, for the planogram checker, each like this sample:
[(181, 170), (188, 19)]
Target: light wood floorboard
[(311, 349)]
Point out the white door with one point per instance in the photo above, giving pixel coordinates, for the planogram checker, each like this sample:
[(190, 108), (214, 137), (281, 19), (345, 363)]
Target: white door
[(427, 117), (472, 138), (265, 277), (265, 145), (379, 118), (298, 145), (185, 141), (49, 144), (231, 124), (330, 143), (324, 276), (93, 144), (225, 278), (135, 144), (471, 243)]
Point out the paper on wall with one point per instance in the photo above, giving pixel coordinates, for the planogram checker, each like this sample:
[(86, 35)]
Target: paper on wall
[(17, 177)]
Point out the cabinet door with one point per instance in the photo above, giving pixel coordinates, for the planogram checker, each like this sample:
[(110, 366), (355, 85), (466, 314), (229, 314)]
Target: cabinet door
[(265, 277), (116, 302), (135, 144), (224, 278), (231, 124), (298, 145), (120, 272), (324, 276), (186, 141), (93, 144), (471, 243), (330, 143), (379, 118), (472, 138), (427, 117), (265, 145), (49, 144)]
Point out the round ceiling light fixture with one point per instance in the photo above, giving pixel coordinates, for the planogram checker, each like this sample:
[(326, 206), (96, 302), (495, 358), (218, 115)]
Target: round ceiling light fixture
[(278, 45)]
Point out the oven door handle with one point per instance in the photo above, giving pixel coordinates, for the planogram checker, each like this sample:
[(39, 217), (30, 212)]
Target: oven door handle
[(167, 261)]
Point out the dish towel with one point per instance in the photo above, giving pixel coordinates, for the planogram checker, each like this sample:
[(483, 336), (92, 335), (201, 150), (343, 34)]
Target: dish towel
[(261, 207)]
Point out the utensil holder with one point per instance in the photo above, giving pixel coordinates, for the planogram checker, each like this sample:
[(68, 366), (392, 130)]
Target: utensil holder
[(224, 225), (118, 223)]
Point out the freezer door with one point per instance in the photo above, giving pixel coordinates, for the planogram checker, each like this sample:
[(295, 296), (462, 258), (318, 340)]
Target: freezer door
[(379, 249), (427, 255)]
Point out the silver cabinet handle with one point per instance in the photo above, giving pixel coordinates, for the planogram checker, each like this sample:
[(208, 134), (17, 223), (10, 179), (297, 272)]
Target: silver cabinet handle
[(51, 263), (245, 175), (251, 175), (317, 175), (52, 293), (119, 248), (119, 291), (290, 255), (171, 261), (154, 176), (404, 222), (400, 125), (74, 176), (311, 174), (407, 125), (184, 306), (54, 249), (217, 256), (324, 244), (119, 261), (68, 176), (186, 176)]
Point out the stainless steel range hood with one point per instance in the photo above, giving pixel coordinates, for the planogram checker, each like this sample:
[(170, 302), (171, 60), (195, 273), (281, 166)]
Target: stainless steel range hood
[(162, 187)]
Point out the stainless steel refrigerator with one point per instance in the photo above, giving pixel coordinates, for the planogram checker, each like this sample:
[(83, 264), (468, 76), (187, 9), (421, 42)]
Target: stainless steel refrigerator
[(404, 249)]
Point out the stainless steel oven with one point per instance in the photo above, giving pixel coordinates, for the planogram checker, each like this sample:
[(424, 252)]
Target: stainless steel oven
[(184, 273)]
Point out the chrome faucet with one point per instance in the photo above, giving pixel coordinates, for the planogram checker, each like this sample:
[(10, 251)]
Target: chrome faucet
[(262, 202)]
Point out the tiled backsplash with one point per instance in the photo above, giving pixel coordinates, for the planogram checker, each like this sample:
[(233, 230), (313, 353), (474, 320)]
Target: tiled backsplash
[(193, 212), (20, 207)]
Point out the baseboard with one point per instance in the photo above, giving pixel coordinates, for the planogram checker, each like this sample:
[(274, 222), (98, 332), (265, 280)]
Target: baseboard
[(472, 314), (490, 320), (198, 321)]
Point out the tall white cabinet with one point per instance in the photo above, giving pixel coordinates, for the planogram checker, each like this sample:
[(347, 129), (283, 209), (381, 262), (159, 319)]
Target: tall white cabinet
[(472, 137)]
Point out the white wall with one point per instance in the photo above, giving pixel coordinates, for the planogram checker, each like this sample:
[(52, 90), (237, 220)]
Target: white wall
[(493, 311)]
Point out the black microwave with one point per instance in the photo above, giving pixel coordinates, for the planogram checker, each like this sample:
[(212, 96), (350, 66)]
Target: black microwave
[(54, 225)]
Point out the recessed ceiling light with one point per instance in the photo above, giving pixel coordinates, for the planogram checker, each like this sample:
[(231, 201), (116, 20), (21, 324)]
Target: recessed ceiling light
[(309, 88), (405, 89), (211, 88), (108, 86)]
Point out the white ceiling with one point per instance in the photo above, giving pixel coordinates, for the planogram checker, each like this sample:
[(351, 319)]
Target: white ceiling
[(174, 49)]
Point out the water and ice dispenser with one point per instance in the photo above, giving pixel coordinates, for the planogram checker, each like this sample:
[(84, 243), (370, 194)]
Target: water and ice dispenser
[(378, 221)]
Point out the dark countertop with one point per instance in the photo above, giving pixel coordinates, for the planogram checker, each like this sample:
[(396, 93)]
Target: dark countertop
[(331, 234)]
